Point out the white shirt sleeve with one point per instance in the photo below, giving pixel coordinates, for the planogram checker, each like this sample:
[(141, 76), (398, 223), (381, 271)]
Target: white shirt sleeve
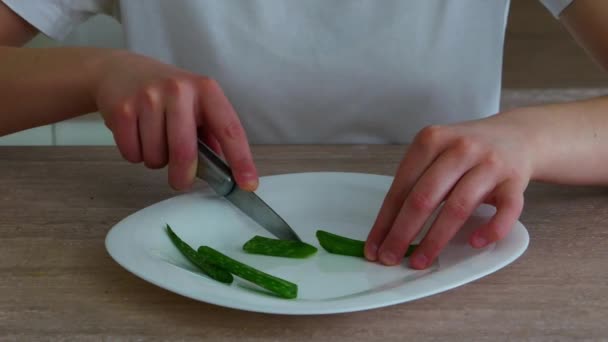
[(556, 7), (57, 18)]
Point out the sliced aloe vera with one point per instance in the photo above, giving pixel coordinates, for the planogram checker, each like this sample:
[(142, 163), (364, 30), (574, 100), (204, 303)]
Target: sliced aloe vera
[(210, 270), (279, 248), (337, 244), (278, 286)]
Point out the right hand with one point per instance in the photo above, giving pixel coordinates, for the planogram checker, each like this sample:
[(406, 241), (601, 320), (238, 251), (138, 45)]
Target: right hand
[(157, 111)]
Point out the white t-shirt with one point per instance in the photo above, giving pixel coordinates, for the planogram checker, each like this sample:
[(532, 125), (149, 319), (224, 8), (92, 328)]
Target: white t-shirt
[(319, 71)]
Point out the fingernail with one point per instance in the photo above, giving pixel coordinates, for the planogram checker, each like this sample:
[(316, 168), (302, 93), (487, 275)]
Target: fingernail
[(479, 241), (388, 258), (371, 252), (250, 181), (419, 261), (191, 174)]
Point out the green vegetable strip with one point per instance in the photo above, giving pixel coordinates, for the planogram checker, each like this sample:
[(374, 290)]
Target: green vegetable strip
[(282, 288), (279, 248), (337, 244), (212, 271), (340, 245)]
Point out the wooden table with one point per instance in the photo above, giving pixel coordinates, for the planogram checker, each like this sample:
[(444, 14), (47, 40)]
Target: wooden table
[(58, 282)]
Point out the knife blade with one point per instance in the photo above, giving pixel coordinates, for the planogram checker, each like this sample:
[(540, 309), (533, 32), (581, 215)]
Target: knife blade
[(254, 207), (218, 175)]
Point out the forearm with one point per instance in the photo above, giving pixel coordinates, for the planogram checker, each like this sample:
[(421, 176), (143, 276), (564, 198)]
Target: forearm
[(570, 141), (42, 86)]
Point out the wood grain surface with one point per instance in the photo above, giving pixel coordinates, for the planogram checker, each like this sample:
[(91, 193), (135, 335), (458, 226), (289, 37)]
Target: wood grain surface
[(58, 283)]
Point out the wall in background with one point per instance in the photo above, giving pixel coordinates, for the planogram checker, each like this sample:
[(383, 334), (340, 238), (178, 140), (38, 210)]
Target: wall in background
[(101, 31), (542, 63), (540, 53)]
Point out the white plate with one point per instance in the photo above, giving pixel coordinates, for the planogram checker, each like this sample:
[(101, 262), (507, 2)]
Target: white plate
[(343, 203)]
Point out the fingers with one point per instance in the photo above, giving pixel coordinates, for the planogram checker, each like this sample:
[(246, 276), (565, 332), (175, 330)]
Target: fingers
[(152, 131), (124, 126), (427, 145), (222, 120), (182, 135), (210, 140), (509, 201), (460, 204), (160, 124), (425, 197)]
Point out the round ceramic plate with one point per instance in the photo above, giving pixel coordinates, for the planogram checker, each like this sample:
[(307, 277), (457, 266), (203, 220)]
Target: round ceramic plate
[(342, 203)]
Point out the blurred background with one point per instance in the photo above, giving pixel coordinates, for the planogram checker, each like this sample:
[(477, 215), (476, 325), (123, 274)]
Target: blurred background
[(542, 64)]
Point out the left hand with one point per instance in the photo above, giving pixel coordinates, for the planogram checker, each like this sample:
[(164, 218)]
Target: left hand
[(467, 164)]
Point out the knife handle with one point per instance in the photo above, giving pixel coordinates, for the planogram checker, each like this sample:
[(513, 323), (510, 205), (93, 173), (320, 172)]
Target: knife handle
[(214, 170)]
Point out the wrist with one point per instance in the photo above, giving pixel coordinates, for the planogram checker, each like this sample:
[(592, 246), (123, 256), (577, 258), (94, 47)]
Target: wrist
[(528, 126), (98, 65)]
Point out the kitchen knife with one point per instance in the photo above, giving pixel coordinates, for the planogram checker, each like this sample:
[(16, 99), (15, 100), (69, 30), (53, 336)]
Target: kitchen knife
[(218, 175)]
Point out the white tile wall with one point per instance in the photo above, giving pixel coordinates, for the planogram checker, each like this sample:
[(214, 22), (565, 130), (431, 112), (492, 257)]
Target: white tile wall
[(32, 137), (88, 130), (101, 31)]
